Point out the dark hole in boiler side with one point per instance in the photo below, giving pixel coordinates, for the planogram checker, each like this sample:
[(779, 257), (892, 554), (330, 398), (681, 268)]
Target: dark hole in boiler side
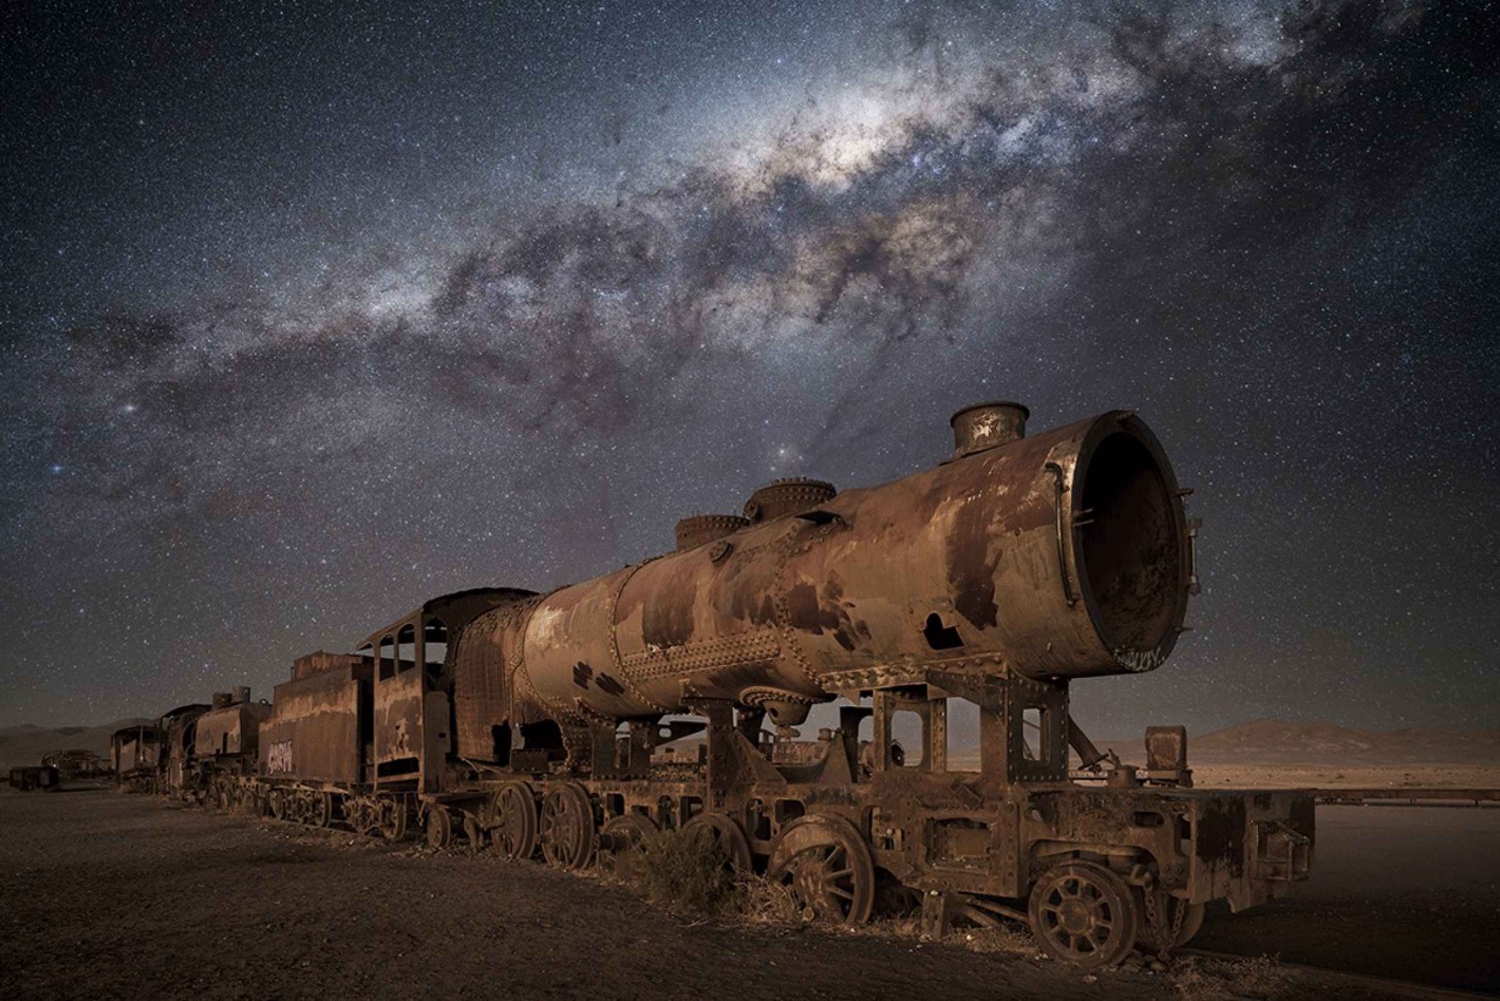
[(1129, 552), (500, 734), (939, 636), (544, 735)]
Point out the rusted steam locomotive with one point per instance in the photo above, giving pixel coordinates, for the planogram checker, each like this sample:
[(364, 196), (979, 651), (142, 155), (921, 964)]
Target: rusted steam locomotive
[(1013, 567)]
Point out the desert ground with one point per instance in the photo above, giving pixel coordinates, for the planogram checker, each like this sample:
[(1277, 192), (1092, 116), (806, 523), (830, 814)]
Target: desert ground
[(1410, 893), (131, 897)]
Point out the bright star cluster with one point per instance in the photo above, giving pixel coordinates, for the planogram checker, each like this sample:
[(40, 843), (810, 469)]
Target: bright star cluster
[(309, 312)]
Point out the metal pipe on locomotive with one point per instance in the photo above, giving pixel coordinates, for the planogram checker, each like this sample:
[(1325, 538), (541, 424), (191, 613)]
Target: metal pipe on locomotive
[(999, 576)]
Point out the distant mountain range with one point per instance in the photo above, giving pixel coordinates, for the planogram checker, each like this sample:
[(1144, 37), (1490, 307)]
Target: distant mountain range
[(25, 744), (1263, 742), (1272, 742)]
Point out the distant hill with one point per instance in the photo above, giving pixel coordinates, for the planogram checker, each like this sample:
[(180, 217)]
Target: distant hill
[(25, 744), (1263, 742), (1272, 742)]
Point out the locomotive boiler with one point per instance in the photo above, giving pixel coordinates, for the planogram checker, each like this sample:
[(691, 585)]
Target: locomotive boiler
[(1059, 556), (1012, 568)]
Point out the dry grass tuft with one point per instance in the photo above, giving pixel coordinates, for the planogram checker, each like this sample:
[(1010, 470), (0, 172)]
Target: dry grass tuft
[(765, 901), (686, 872), (1196, 979), (894, 926), (1008, 937)]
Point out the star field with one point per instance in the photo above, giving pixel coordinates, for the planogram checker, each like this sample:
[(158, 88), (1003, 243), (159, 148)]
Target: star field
[(308, 313)]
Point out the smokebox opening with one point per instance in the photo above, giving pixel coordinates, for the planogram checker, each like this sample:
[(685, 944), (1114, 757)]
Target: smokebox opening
[(1130, 553)]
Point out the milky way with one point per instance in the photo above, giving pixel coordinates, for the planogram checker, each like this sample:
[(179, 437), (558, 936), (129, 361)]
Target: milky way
[(310, 316)]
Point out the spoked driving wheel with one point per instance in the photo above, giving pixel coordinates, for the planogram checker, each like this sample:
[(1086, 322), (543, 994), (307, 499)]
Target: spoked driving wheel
[(827, 866), (514, 833), (567, 827), (1084, 914)]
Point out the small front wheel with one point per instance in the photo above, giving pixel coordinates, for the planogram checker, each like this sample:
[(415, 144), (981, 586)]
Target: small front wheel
[(392, 817), (439, 827), (1083, 913)]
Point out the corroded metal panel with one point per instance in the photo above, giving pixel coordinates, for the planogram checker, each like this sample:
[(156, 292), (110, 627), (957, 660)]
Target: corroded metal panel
[(480, 690), (321, 660), (484, 690), (571, 661), (398, 717), (233, 730), (313, 733)]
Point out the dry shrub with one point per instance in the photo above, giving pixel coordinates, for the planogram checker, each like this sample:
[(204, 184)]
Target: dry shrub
[(765, 901), (1196, 979), (686, 872), (893, 926)]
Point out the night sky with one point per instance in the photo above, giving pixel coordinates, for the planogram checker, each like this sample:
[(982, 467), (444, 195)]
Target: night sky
[(310, 312)]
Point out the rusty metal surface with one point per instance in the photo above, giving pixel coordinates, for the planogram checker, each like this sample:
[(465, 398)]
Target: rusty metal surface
[(987, 425), (487, 702), (414, 726), (893, 577), (780, 498), (696, 530), (1166, 748), (314, 732), (321, 660), (234, 729)]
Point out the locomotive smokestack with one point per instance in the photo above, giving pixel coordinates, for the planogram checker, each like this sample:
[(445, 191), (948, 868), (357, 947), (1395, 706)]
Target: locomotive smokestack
[(987, 425), (240, 693)]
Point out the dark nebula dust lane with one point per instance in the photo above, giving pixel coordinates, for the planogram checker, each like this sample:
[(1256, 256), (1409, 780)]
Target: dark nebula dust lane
[(308, 314)]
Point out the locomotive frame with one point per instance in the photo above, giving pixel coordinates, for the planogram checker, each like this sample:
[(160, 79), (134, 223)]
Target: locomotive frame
[(530, 721)]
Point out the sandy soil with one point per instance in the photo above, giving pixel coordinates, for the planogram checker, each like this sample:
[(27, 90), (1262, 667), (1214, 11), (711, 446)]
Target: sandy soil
[(123, 896)]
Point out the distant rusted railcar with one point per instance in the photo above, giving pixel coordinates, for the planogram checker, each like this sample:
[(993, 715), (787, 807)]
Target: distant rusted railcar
[(156, 757), (1014, 567), (133, 754), (36, 778), (77, 763), (224, 744)]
